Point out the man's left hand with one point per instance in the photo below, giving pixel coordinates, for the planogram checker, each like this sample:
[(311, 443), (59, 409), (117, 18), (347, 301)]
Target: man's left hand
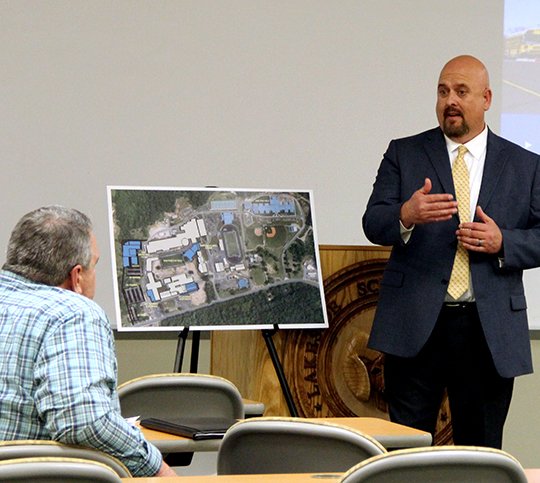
[(482, 236)]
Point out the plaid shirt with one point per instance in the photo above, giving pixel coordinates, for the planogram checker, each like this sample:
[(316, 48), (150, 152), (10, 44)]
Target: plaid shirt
[(58, 374)]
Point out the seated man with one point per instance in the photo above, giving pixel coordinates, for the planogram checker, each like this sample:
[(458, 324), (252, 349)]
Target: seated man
[(58, 372)]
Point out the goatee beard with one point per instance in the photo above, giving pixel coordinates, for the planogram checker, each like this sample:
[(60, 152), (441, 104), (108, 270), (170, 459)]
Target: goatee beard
[(456, 130)]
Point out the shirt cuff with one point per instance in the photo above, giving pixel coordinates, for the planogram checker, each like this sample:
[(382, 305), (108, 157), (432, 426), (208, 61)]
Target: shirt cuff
[(154, 461), (405, 232)]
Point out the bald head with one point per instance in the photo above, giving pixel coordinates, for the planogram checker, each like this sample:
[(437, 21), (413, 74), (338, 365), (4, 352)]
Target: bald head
[(463, 96), (467, 64)]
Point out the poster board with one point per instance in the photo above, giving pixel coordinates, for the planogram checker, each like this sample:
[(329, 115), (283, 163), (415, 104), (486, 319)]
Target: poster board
[(210, 259)]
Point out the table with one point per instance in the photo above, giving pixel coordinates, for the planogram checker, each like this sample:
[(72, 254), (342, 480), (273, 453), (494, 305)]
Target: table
[(390, 435), (533, 476), (289, 478)]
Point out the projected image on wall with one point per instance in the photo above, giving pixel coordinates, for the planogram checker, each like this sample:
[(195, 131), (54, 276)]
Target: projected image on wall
[(520, 118), (520, 115), (214, 259)]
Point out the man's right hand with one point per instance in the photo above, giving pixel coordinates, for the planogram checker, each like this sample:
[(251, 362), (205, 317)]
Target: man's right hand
[(422, 207)]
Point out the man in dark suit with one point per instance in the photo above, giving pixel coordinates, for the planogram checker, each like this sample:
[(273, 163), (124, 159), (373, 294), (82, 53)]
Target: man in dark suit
[(471, 340)]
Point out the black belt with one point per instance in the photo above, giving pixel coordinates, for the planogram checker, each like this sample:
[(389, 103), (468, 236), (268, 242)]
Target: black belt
[(459, 305)]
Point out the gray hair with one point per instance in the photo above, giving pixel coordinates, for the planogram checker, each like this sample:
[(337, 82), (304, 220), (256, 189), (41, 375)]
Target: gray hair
[(48, 242)]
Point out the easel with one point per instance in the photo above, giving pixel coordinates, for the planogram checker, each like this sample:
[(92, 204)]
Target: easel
[(272, 352), (181, 347)]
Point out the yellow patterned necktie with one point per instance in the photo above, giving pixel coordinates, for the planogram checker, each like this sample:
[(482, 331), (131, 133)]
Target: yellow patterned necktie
[(459, 280)]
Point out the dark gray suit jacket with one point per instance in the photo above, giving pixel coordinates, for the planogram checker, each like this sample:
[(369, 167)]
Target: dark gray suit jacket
[(415, 281)]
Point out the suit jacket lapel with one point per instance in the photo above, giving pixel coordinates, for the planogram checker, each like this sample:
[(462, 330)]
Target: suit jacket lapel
[(436, 149), (496, 159)]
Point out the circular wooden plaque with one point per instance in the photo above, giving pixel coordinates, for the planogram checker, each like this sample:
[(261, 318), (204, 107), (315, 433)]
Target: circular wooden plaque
[(332, 372)]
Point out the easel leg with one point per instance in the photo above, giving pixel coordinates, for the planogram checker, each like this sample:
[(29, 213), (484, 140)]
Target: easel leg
[(181, 348), (195, 344), (267, 334)]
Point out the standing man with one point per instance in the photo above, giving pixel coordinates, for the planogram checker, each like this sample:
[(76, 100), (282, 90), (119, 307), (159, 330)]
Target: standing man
[(57, 358), (460, 207)]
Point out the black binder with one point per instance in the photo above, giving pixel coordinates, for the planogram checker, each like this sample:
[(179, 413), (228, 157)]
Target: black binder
[(196, 428)]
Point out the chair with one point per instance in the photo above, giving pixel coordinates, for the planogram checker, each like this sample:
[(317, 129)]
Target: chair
[(10, 450), (292, 445), (56, 470), (439, 464), (178, 394)]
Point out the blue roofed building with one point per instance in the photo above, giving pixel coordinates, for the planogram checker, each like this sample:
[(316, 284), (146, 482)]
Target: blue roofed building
[(272, 207), (130, 255), (224, 205), (192, 251), (191, 287), (227, 217), (243, 283)]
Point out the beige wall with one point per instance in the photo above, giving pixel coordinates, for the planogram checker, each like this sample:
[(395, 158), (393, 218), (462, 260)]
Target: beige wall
[(523, 425), (139, 356)]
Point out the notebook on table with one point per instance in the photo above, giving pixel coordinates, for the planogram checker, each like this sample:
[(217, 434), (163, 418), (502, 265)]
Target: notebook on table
[(196, 428)]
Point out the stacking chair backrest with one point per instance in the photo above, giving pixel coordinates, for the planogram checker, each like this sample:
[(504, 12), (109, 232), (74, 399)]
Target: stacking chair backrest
[(56, 470), (177, 394), (439, 464), (292, 445), (10, 450)]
